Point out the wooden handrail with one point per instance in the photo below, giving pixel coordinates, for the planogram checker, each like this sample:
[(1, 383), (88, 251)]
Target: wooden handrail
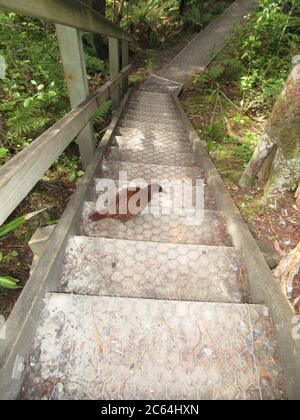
[(71, 13), (21, 173)]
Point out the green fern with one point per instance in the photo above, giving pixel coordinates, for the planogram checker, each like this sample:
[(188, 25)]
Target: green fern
[(27, 123), (34, 118), (94, 64), (102, 112)]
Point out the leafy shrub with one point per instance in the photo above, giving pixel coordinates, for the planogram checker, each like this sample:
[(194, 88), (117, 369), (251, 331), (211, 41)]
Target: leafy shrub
[(34, 95), (216, 72), (259, 56), (216, 132), (3, 153), (102, 112), (154, 22), (269, 42), (200, 13), (94, 65), (33, 92)]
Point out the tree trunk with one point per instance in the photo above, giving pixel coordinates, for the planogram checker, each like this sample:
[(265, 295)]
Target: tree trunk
[(182, 7), (100, 42), (287, 273), (276, 160)]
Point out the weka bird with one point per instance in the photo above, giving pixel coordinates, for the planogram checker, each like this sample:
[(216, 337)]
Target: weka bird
[(124, 200)]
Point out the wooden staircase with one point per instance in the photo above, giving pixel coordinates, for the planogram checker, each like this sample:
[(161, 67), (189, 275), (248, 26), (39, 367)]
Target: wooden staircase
[(157, 307)]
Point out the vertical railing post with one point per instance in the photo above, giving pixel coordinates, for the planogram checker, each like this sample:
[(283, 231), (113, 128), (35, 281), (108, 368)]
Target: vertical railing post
[(125, 62), (72, 54), (115, 67)]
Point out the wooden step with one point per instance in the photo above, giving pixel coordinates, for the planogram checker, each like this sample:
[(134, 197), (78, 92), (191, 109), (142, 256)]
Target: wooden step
[(161, 144), (101, 348), (149, 172), (156, 111), (162, 136), (159, 97), (159, 84), (162, 118), (152, 124), (115, 267), (171, 197), (172, 228), (151, 155)]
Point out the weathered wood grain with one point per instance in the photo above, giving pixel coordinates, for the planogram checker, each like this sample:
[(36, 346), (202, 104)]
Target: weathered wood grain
[(115, 66), (72, 55), (67, 12)]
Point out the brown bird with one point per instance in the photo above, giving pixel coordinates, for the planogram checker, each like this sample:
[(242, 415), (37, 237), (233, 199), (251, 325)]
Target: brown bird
[(124, 200)]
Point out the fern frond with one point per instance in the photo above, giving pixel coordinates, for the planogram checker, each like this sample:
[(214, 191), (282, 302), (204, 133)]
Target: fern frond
[(102, 112), (27, 123)]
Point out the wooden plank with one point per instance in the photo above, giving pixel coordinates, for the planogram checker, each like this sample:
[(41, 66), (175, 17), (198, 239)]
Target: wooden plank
[(72, 54), (20, 174), (67, 12), (115, 66), (125, 62)]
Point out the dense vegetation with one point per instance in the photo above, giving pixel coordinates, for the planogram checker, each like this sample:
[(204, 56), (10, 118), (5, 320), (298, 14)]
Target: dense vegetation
[(33, 93), (155, 23), (247, 77)]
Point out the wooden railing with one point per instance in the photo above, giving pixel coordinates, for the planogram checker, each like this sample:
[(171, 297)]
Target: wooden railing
[(71, 13), (21, 173)]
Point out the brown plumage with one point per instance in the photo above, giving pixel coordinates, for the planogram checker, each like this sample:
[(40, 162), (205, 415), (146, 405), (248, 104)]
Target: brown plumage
[(123, 199)]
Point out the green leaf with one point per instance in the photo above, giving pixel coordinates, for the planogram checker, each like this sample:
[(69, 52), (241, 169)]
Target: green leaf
[(72, 177), (16, 223), (11, 226), (9, 283), (27, 102), (102, 111), (3, 152)]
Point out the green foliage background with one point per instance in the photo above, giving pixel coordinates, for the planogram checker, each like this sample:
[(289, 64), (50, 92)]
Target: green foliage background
[(259, 57), (251, 69), (33, 95)]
